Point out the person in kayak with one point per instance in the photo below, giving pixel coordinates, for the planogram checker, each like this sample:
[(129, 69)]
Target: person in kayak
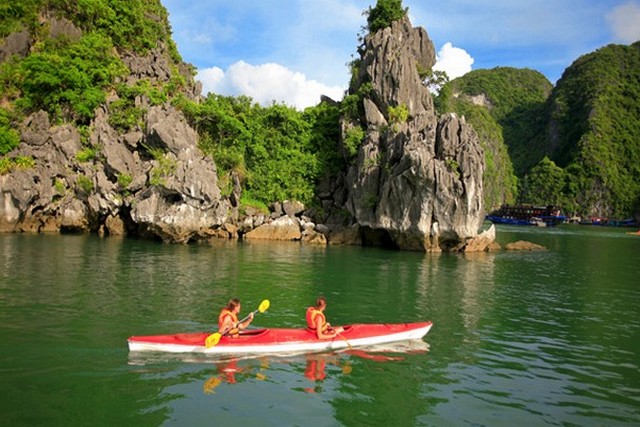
[(228, 319), (317, 321)]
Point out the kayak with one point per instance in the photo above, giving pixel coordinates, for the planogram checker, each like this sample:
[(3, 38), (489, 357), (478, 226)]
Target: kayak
[(281, 340)]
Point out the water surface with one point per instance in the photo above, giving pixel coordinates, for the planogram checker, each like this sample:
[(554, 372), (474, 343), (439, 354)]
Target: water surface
[(534, 338)]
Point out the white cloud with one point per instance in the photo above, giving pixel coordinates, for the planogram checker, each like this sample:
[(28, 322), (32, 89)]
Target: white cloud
[(454, 61), (210, 78), (267, 83), (625, 22)]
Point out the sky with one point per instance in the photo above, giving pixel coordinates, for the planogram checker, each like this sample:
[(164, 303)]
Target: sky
[(294, 51)]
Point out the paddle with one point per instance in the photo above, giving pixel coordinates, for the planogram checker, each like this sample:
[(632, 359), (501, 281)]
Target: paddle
[(214, 339), (346, 340)]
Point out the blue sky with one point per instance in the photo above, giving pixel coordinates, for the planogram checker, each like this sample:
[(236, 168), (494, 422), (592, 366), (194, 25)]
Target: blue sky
[(293, 51)]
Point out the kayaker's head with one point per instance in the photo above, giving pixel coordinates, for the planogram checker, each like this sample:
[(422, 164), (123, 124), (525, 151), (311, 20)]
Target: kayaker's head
[(321, 303), (234, 305)]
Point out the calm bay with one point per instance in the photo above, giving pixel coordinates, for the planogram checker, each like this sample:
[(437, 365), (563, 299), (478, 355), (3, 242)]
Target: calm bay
[(529, 338)]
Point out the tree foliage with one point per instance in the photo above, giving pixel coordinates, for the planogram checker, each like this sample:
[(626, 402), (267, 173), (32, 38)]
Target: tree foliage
[(594, 109), (278, 152), (131, 25), (68, 75), (501, 104), (9, 138), (515, 99), (69, 80), (544, 184), (383, 14)]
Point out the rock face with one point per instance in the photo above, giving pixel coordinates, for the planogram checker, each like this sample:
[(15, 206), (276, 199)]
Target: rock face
[(417, 181), (151, 181), (174, 197), (415, 184)]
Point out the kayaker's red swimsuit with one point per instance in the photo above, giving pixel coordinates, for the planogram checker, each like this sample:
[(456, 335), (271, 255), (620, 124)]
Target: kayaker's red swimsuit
[(312, 313), (222, 319)]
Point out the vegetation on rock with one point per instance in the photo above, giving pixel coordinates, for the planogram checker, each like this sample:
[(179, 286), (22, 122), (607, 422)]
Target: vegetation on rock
[(594, 113), (576, 145), (505, 106), (277, 152), (384, 13), (69, 74)]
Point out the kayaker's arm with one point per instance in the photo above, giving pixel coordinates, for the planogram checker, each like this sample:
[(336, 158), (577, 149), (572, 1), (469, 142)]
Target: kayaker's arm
[(329, 333), (243, 324)]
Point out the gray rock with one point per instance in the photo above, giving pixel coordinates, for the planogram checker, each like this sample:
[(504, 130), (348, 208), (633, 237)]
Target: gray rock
[(410, 175), (292, 207), (523, 245), (17, 43), (283, 228)]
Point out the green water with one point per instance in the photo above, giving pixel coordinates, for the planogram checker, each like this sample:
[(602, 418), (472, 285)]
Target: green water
[(540, 338)]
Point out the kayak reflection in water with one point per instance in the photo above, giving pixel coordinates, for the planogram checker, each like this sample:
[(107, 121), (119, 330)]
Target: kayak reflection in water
[(317, 321), (236, 370), (315, 370), (227, 371)]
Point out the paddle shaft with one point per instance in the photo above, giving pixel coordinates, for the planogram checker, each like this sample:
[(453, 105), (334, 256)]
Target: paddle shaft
[(254, 312), (345, 340)]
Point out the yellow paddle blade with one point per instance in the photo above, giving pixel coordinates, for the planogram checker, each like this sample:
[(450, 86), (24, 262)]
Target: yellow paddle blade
[(211, 384), (212, 340), (264, 306)]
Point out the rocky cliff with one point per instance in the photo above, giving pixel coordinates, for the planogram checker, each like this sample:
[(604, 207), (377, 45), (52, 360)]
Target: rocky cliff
[(151, 180), (417, 181)]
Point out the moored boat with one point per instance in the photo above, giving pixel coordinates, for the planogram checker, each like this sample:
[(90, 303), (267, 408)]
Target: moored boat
[(541, 216), (281, 340)]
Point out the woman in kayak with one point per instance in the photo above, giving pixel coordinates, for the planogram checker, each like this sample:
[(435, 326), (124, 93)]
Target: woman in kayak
[(228, 319), (317, 322)]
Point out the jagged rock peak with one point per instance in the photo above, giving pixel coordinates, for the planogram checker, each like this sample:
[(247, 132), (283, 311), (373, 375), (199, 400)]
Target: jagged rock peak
[(393, 59), (417, 181)]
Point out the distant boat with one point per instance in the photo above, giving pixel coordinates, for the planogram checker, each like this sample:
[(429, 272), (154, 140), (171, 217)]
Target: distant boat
[(629, 222), (541, 216)]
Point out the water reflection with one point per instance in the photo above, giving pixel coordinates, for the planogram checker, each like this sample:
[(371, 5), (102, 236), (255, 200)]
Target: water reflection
[(231, 372), (315, 368)]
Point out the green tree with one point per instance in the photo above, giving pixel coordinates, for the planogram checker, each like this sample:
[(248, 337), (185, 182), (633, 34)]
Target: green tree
[(545, 184), (68, 79), (9, 138), (383, 14), (279, 153), (593, 112)]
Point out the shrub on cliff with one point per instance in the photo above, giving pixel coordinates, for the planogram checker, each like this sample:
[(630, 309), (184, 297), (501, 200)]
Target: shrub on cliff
[(68, 79), (277, 152), (384, 13)]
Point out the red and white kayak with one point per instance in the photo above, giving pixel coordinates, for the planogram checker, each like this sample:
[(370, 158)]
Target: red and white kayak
[(279, 340)]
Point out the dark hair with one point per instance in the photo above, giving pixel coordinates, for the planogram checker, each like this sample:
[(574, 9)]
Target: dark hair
[(321, 300), (233, 303)]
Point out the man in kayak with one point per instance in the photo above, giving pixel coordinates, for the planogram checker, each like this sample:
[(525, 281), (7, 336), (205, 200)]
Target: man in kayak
[(317, 322), (228, 319)]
